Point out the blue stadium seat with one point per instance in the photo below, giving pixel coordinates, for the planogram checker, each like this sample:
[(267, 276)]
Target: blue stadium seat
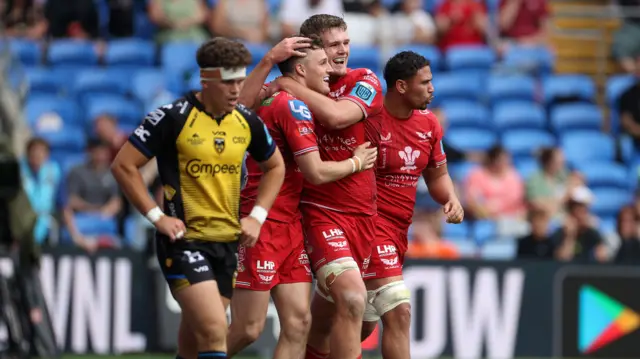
[(430, 52), (179, 57), (65, 108), (484, 230), (457, 86), (583, 146), (194, 82), (526, 143), (28, 52), (68, 139), (616, 86), (607, 174), (147, 83), (466, 114), (257, 51), (130, 52), (471, 139), (607, 225), (526, 166), (431, 6), (500, 249), (72, 53), (518, 115), (460, 171), (100, 81), (627, 149), (608, 201), (128, 112), (532, 59), (510, 88), (380, 76), (276, 73), (455, 231), (579, 87), (470, 58), (364, 57), (70, 160), (45, 81), (576, 116), (94, 225)]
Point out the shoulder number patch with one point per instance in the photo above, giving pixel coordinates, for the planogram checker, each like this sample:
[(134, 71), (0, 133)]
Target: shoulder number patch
[(364, 92), (299, 110)]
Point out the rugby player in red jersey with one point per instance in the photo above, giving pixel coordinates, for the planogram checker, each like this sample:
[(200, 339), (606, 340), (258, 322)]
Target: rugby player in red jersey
[(278, 264), (338, 218), (409, 140)]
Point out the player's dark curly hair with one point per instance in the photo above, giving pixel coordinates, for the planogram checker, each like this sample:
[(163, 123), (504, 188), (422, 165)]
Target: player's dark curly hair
[(222, 52), (288, 66), (317, 24), (403, 66)]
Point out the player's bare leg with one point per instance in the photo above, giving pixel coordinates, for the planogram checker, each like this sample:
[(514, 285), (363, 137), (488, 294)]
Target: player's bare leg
[(292, 302), (318, 342), (187, 345), (248, 315), (396, 320), (204, 312)]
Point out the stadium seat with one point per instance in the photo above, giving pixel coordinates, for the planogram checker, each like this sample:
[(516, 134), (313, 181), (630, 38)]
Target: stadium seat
[(583, 146), (28, 52), (147, 83), (532, 59), (257, 51), (608, 201), (484, 230), (568, 87), (179, 57), (607, 225), (466, 248), (466, 114), (69, 139), (94, 225), (471, 139), (65, 108), (430, 52), (526, 143), (194, 82), (364, 57), (130, 52), (526, 166), (576, 116), (72, 53), (460, 170), (456, 86), (458, 231), (616, 86), (380, 76), (70, 160), (276, 73), (518, 115), (44, 81), (500, 249), (627, 149), (100, 81), (606, 174), (128, 112), (510, 88), (470, 58)]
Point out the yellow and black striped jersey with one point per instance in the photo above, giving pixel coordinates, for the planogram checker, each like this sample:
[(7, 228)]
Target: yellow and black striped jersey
[(200, 161)]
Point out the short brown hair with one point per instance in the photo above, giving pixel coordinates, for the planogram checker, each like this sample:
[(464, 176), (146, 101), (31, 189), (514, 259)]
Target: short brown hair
[(317, 24), (287, 66), (37, 141), (222, 52)]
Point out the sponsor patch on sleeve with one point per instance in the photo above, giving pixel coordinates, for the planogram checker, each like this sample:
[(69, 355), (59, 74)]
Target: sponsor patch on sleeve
[(364, 92), (299, 110)]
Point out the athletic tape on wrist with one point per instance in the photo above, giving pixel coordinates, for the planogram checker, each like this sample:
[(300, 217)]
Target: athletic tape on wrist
[(154, 214), (359, 161), (259, 213), (353, 164)]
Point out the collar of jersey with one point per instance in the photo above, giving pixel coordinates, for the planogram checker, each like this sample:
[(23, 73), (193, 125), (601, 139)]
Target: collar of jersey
[(191, 97)]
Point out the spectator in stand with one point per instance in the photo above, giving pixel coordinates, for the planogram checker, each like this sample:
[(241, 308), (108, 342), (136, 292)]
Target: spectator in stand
[(106, 128), (251, 24), (549, 188), (578, 239), (121, 22), (179, 20), (411, 24), (24, 18), (91, 189), (371, 7), (525, 22), (461, 22), (626, 43), (495, 191), (41, 180), (537, 244), (630, 111), (76, 19), (427, 242), (628, 228), (294, 12), (454, 155)]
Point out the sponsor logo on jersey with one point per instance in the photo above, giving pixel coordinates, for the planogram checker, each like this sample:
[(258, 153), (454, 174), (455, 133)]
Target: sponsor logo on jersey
[(268, 101), (424, 135), (196, 168), (155, 116), (385, 138), (337, 93), (364, 92), (299, 110), (142, 134), (195, 140), (169, 192), (239, 140), (409, 156)]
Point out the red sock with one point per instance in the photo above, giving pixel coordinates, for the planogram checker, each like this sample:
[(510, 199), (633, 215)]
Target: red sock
[(312, 353)]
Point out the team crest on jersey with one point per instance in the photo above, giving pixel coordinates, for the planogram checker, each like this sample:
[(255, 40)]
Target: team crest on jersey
[(409, 156), (219, 141)]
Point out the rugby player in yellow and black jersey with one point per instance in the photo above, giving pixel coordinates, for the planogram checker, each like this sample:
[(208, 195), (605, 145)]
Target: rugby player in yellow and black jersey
[(200, 142)]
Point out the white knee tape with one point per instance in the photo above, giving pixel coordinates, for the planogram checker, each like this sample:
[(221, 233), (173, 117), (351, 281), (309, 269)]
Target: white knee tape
[(328, 273), (370, 312), (387, 298)]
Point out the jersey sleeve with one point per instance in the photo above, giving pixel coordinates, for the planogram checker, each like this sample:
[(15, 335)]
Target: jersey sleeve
[(437, 157), (150, 136), (262, 145), (366, 93), (372, 132), (297, 125)]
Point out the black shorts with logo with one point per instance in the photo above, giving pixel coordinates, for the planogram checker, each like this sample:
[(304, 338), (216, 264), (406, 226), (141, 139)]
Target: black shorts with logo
[(185, 263)]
